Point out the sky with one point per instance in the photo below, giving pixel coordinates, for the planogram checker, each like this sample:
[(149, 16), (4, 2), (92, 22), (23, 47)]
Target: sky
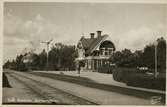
[(130, 26)]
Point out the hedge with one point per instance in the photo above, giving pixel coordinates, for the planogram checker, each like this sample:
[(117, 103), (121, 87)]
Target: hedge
[(105, 69), (132, 77)]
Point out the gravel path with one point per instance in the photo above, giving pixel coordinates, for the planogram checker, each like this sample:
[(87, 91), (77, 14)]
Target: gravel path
[(101, 78), (47, 93), (80, 94), (91, 94), (17, 93)]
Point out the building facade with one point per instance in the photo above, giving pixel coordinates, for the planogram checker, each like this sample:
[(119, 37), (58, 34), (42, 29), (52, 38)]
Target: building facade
[(94, 51)]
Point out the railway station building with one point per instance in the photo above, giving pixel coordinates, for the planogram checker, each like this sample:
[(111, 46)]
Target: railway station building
[(95, 50)]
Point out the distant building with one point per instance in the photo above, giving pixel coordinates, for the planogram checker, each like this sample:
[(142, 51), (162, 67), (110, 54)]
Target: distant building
[(94, 51)]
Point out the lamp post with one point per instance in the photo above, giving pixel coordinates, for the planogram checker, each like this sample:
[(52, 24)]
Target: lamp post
[(47, 56), (156, 64)]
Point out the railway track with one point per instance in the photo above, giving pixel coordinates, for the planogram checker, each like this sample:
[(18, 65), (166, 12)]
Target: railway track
[(50, 94)]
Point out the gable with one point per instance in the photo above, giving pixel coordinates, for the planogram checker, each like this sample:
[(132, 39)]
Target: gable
[(90, 44)]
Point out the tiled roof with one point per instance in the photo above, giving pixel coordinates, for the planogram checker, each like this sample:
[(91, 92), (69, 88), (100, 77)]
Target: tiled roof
[(90, 43)]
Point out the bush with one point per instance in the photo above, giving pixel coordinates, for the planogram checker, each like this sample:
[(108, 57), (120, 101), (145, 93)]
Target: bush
[(146, 81), (105, 69), (120, 74), (5, 81), (117, 75), (133, 77)]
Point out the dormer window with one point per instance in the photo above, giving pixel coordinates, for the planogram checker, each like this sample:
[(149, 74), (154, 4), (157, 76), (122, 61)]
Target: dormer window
[(105, 52), (106, 48)]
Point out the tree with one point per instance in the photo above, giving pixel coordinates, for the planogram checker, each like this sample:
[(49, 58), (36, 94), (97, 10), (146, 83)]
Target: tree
[(62, 57), (34, 65), (116, 58), (148, 56), (20, 66), (145, 58), (42, 60), (125, 58), (138, 58), (161, 53), (7, 64)]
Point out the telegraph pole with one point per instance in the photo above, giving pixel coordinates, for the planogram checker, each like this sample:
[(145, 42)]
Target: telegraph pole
[(47, 56)]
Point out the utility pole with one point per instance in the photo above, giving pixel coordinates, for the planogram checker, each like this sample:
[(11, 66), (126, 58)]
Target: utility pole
[(47, 48)]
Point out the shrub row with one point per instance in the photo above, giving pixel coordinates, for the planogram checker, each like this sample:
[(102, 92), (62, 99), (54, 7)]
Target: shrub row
[(105, 69), (132, 77)]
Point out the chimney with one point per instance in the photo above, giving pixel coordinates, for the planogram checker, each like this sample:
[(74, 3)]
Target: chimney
[(99, 33), (92, 35)]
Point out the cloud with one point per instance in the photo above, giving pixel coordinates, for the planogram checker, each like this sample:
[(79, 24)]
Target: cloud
[(26, 34), (22, 30), (13, 47), (11, 24), (137, 38), (34, 30)]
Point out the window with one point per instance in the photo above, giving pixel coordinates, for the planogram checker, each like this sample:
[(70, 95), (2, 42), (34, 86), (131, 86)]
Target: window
[(110, 51), (107, 52)]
